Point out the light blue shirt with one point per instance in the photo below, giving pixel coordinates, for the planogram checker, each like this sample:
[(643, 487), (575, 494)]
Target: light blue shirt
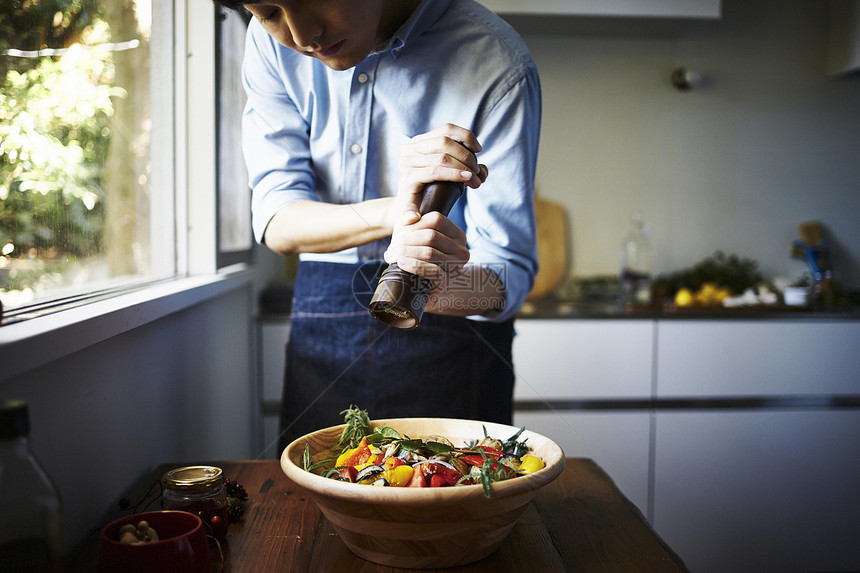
[(312, 133)]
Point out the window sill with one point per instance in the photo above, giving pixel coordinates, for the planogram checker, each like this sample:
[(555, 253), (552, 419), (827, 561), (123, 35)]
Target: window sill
[(28, 344)]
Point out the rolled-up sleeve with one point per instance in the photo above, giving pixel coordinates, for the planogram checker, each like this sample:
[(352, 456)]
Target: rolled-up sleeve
[(275, 139), (499, 215)]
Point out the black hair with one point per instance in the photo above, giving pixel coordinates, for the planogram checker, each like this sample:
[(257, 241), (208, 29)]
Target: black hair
[(237, 6)]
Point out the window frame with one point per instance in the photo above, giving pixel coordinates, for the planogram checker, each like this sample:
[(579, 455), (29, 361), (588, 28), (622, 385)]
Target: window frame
[(225, 79), (29, 343)]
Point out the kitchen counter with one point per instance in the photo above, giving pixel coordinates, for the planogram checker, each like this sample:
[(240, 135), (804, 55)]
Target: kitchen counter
[(578, 522), (549, 308)]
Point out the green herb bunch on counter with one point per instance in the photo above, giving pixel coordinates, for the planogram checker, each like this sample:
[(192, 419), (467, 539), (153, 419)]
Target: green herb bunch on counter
[(733, 272)]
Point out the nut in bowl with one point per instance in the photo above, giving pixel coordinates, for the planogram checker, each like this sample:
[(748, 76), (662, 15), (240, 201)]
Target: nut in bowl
[(423, 527), (163, 541)]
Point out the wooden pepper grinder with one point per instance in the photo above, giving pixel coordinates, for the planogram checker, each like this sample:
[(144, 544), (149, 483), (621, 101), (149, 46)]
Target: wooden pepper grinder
[(400, 297)]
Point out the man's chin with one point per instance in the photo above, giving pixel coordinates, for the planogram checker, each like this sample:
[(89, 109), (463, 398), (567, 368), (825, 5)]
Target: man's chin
[(338, 65)]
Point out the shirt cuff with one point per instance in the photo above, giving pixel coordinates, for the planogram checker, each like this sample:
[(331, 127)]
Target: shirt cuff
[(517, 284)]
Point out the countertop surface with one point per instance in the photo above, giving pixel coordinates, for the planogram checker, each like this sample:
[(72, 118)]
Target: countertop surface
[(578, 522), (552, 308)]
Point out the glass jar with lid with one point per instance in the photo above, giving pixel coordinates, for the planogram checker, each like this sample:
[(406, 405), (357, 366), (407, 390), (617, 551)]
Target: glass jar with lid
[(199, 490)]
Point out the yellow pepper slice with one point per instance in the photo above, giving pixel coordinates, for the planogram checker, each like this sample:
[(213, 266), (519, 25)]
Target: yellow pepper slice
[(345, 457), (360, 455), (398, 476), (530, 464)]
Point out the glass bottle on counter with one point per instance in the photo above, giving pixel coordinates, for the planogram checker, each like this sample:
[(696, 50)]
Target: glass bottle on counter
[(637, 260), (31, 512)]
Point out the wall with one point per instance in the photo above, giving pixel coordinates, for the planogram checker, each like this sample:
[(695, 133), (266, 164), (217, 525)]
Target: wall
[(769, 141), (176, 389)]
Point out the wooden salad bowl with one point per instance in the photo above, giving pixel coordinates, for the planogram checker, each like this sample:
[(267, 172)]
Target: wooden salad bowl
[(423, 527)]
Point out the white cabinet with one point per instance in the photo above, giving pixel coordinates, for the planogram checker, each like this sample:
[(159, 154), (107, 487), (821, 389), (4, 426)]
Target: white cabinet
[(617, 441), (559, 362), (758, 487), (612, 8), (752, 490), (555, 358), (738, 439), (757, 357)]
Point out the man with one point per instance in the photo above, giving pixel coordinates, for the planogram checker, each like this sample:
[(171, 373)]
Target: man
[(353, 106)]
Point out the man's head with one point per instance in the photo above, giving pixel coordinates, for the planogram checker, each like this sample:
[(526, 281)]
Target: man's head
[(339, 33)]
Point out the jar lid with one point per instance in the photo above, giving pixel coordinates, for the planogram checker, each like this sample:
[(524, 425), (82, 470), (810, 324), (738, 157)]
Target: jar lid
[(14, 419), (194, 478)]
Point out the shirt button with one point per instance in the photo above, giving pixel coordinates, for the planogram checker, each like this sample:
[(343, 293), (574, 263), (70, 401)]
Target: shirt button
[(362, 78), (355, 148)]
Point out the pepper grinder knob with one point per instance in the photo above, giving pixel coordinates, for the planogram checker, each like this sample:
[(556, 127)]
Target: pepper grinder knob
[(400, 297)]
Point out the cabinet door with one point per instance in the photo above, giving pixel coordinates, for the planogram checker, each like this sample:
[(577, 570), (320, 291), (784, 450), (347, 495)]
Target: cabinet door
[(759, 491), (576, 359), (273, 353), (737, 358), (570, 360), (623, 8), (617, 441)]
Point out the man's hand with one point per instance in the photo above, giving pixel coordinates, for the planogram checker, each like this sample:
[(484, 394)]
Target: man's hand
[(431, 245), (445, 154)]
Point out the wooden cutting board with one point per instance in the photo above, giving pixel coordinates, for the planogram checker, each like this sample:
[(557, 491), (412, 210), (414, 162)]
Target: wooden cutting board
[(553, 247)]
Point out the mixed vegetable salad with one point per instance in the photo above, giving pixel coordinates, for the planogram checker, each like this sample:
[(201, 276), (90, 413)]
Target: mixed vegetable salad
[(384, 457)]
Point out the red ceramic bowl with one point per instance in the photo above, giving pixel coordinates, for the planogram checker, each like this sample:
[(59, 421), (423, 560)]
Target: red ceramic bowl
[(182, 546)]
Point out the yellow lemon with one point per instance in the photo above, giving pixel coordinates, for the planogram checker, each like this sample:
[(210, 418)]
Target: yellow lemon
[(722, 294), (684, 297)]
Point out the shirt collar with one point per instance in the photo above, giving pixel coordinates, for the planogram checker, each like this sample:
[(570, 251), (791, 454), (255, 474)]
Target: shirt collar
[(424, 16)]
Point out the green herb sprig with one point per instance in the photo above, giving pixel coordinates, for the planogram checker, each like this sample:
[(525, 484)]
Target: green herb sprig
[(516, 448), (307, 461), (357, 426), (489, 472)]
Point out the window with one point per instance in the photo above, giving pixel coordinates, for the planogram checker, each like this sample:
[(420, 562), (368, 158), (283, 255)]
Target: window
[(87, 202), (235, 237)]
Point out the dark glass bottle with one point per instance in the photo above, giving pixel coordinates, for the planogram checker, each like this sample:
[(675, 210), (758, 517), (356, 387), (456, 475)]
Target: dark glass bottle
[(31, 512)]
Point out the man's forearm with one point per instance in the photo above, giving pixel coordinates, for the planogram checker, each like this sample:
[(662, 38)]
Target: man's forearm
[(475, 291), (316, 227)]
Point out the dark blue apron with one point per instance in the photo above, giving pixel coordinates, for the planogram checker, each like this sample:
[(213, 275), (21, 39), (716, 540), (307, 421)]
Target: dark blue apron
[(338, 355)]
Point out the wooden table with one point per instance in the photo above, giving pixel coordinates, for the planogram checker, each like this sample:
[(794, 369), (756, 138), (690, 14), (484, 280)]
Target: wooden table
[(580, 522)]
